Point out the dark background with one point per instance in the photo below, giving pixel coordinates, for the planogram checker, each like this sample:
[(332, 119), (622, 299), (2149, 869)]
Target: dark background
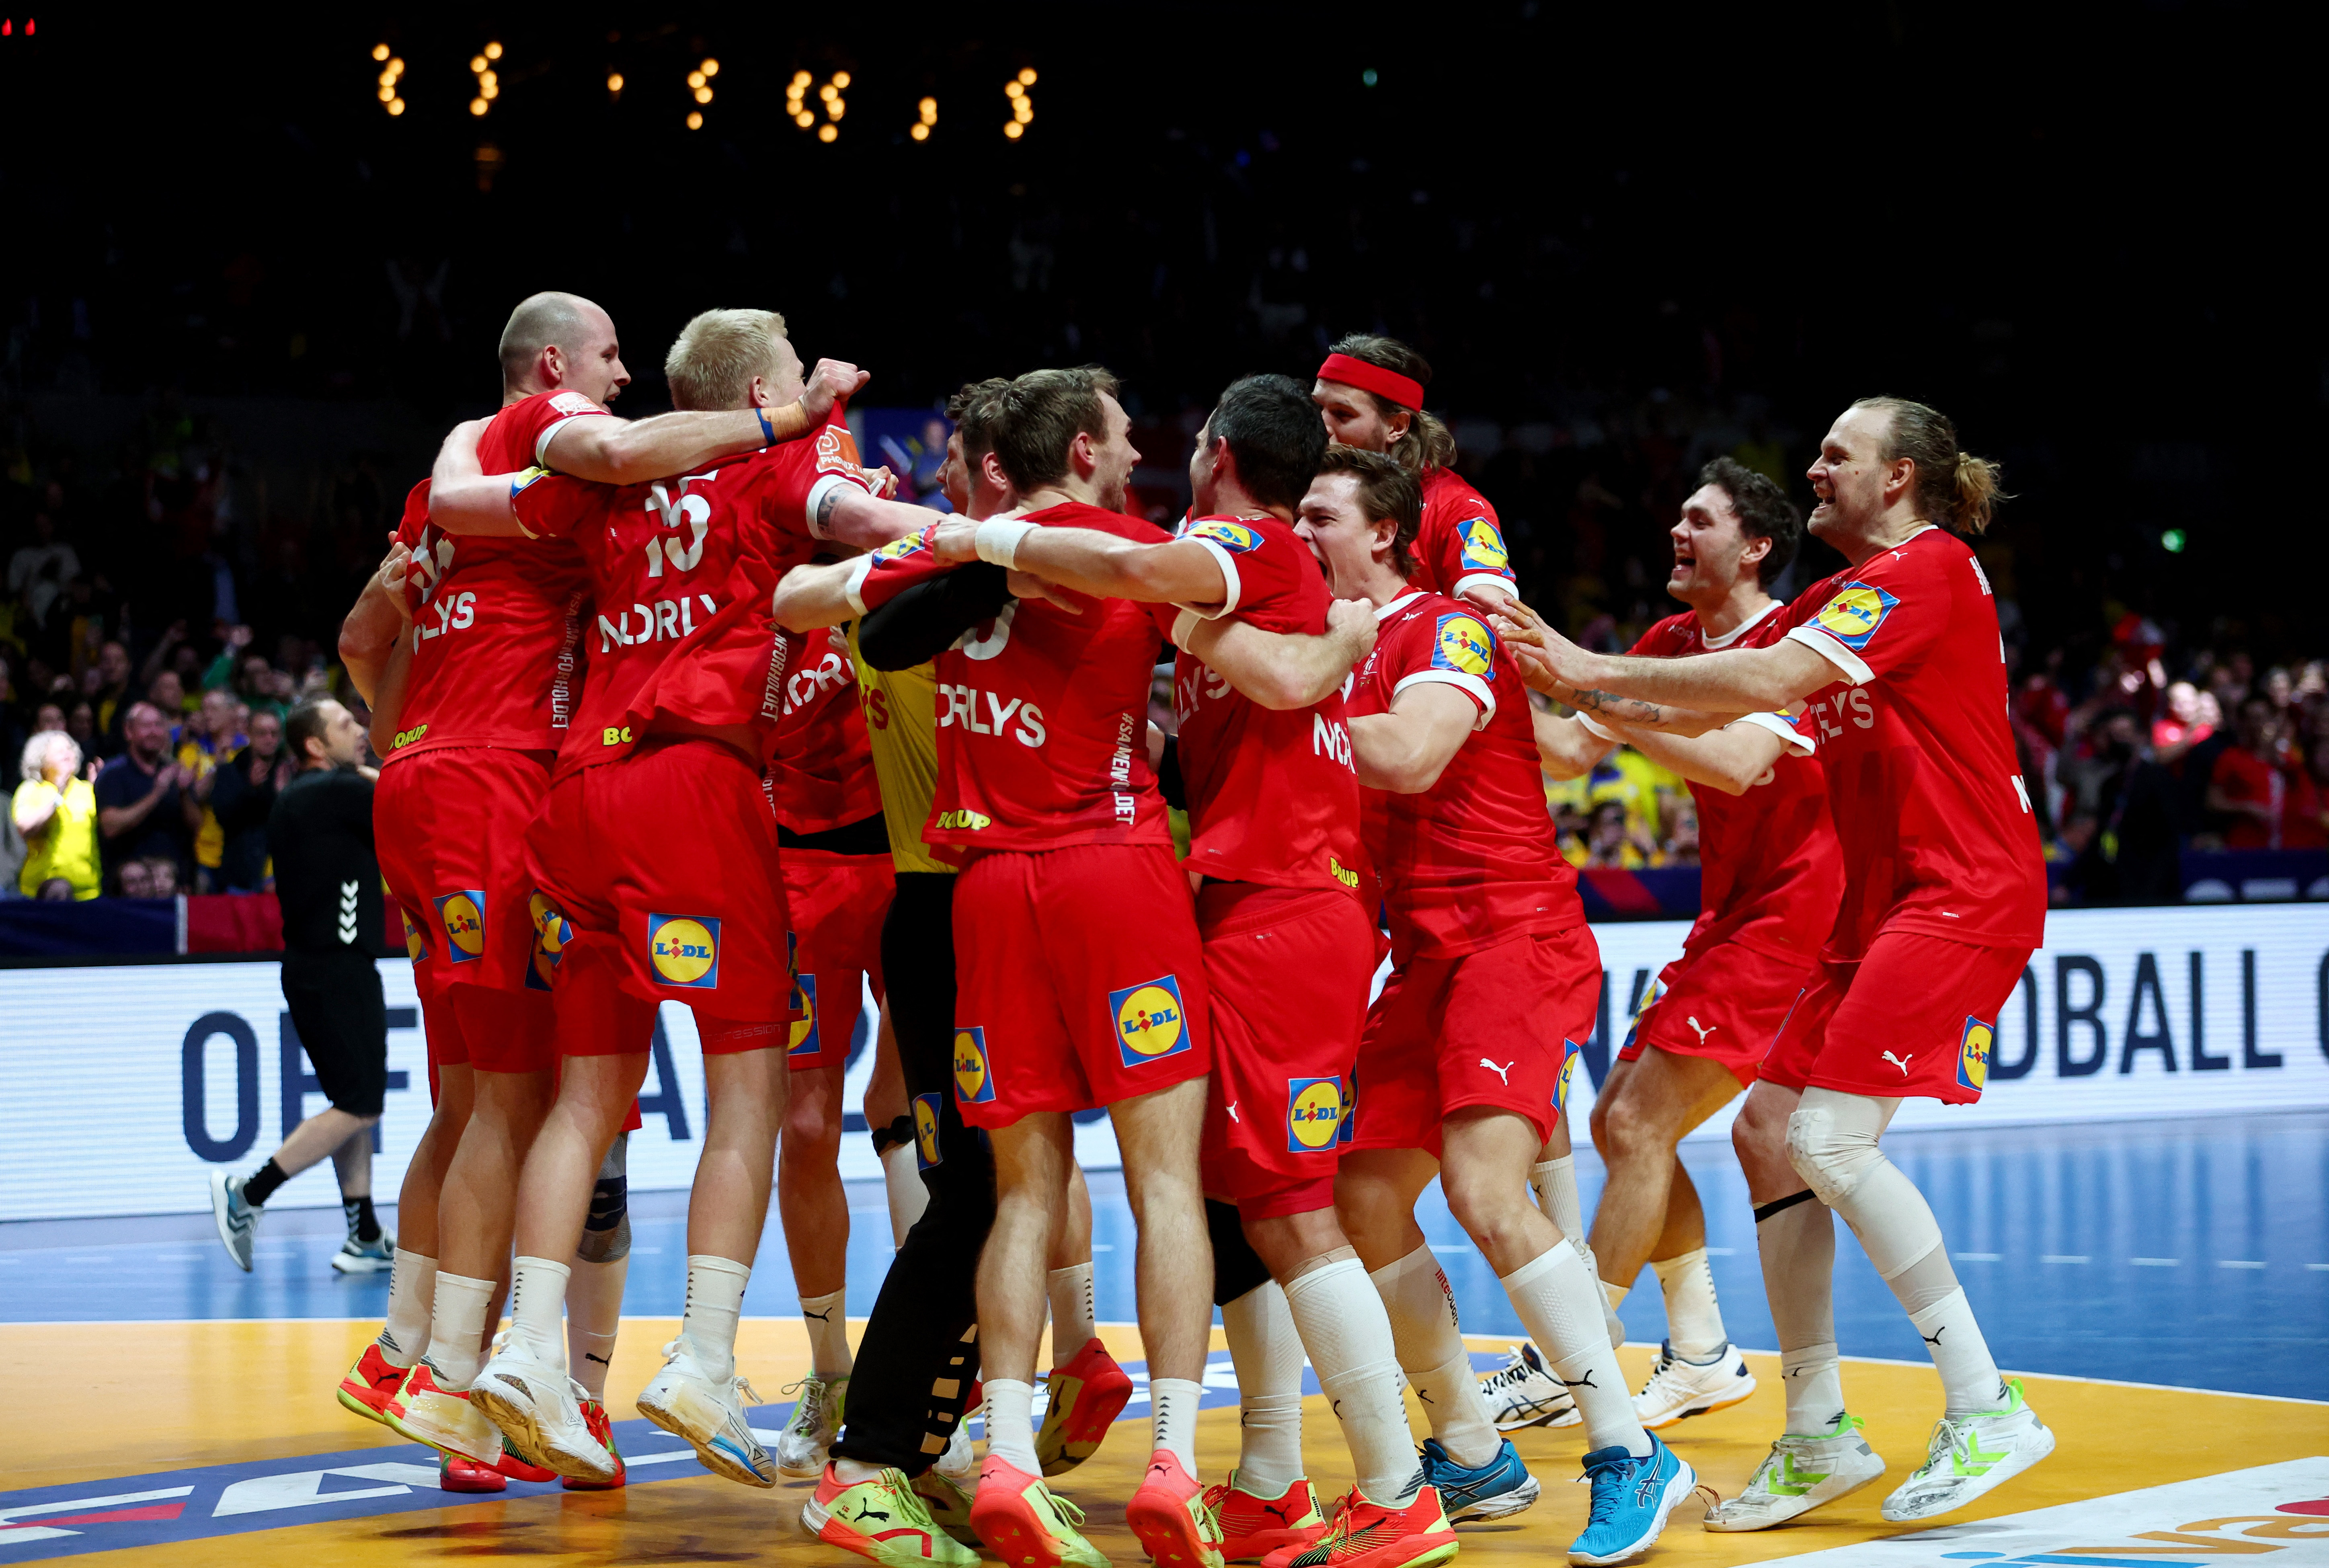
[(1626, 237)]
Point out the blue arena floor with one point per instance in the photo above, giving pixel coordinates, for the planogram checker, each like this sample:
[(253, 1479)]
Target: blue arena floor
[(2194, 1254)]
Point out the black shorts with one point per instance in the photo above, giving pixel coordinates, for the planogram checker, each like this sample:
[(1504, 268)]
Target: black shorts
[(338, 1008)]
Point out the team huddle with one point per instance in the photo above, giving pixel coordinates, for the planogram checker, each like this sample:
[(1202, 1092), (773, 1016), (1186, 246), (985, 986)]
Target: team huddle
[(691, 709)]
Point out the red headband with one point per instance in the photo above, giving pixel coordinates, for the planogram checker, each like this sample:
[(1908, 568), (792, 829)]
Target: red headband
[(1404, 391)]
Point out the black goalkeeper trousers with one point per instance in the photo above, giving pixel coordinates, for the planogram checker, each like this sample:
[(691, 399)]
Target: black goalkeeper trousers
[(919, 1354)]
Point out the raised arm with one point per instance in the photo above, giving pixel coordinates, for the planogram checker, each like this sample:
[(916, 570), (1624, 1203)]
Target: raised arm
[(1280, 670), (370, 633), (1686, 697), (1733, 758), (1406, 750), (609, 450)]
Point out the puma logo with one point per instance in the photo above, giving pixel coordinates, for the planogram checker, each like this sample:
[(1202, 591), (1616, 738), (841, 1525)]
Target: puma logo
[(823, 1316), (1704, 1029), (1934, 1339), (1232, 1109), (1505, 1072), (601, 1360), (1901, 1061), (1281, 1510), (1584, 1382), (873, 1514)]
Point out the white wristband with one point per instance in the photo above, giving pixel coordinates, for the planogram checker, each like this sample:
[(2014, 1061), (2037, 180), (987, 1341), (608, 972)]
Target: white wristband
[(997, 540), (1592, 727)]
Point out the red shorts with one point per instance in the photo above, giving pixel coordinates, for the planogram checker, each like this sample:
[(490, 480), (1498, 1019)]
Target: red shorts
[(837, 903), (1916, 1017), (1499, 1028), (663, 867), (450, 828), (1288, 969), (1724, 1002), (1079, 980)]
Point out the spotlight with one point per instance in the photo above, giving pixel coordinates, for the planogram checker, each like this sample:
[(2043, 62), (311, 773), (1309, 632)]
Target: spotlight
[(493, 52), (694, 120), (710, 67), (478, 106), (1013, 130), (919, 131), (825, 133)]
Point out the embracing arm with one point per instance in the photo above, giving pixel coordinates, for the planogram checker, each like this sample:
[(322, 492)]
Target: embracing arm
[(610, 451), (1406, 750), (1167, 571), (1733, 758), (1568, 748), (387, 695), (924, 620), (1279, 670), (371, 632), (1681, 696)]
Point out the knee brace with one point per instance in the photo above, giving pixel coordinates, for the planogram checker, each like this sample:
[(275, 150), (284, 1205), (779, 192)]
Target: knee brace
[(897, 1135), (1237, 1267), (607, 1233), (1832, 1146)]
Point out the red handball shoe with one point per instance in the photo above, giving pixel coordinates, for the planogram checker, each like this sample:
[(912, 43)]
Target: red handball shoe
[(518, 1467), (1368, 1534), (1086, 1392), (1023, 1524), (594, 1416), (1169, 1516), (371, 1383), (1252, 1525), (457, 1474)]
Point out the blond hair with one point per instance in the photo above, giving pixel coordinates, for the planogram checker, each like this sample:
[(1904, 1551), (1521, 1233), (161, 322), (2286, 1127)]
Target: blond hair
[(715, 356), (37, 749), (1953, 487)]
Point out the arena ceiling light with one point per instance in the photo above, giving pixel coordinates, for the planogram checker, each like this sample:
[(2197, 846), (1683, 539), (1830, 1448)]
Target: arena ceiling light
[(920, 129), (1022, 103), (489, 84), (796, 106), (392, 71)]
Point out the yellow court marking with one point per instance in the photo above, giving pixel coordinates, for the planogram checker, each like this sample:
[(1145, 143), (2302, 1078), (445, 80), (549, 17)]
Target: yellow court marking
[(102, 1401)]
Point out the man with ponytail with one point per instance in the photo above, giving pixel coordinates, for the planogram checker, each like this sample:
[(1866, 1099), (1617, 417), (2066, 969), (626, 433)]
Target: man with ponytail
[(1896, 666), (1370, 392)]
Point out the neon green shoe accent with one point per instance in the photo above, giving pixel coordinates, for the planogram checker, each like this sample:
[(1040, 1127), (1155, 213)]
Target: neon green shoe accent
[(2014, 1401), (1790, 1482)]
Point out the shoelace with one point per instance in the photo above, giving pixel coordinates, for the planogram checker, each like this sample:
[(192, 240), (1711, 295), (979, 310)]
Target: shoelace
[(1950, 1439), (1513, 1373), (808, 1413), (1604, 1507)]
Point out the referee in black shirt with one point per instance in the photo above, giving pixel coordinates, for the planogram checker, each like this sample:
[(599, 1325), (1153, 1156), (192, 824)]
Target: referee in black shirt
[(327, 879)]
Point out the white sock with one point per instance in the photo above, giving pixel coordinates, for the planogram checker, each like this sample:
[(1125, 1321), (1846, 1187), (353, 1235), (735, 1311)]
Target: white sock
[(1815, 1379), (456, 1327), (1960, 1354), (1173, 1402), (1796, 1243), (1011, 1423), (538, 1308), (411, 1298), (828, 1334), (1555, 1184), (1268, 1355), (1347, 1333), (1430, 1350), (1561, 1311), (1615, 1295), (715, 1297), (1693, 1321), (594, 1313), (901, 1180), (1072, 1327)]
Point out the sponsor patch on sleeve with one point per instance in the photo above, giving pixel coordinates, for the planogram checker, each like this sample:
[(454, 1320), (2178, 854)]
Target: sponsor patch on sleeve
[(1853, 615), (1463, 642), (1483, 545), (1229, 536)]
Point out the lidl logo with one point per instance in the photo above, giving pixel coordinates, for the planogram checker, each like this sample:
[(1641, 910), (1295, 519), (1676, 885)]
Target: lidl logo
[(1855, 612), (1571, 1051), (414, 947), (1233, 536), (973, 1084), (804, 1031), (1313, 1113), (551, 933), (1348, 1127), (1973, 1053), (1149, 1020), (911, 544), (463, 915), (1483, 546), (1464, 644), (926, 1152), (1649, 1000), (684, 950)]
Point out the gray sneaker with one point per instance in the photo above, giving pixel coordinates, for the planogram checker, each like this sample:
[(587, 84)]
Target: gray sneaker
[(373, 1257), (238, 1220)]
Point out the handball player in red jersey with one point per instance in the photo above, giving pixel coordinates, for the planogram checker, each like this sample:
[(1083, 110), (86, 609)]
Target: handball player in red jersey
[(1370, 392), (1771, 880), (1080, 978), (838, 883), (1495, 978), (1900, 658), (683, 692), (473, 656), (1263, 756)]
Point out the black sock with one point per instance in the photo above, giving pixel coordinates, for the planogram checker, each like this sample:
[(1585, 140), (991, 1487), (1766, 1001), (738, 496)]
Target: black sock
[(362, 1223), (263, 1183)]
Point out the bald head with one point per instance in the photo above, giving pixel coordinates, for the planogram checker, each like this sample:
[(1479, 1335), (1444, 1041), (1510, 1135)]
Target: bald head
[(562, 341)]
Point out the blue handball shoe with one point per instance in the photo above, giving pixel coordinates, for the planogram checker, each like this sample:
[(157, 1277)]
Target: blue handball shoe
[(1502, 1486), (1631, 1499)]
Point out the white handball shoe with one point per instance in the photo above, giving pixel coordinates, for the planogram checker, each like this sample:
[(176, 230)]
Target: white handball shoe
[(1679, 1388), (236, 1216), (1800, 1474), (709, 1414), (1524, 1393), (539, 1410), (807, 1443), (1969, 1455)]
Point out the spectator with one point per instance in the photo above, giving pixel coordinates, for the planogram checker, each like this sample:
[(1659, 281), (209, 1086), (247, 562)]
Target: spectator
[(38, 573), (81, 723), (2182, 727), (108, 698), (2121, 830), (202, 742), (168, 692), (136, 878), (243, 798), (2262, 788), (55, 809), (146, 803)]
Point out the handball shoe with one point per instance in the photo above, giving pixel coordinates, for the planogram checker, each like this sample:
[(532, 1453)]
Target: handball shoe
[(1019, 1520), (539, 1410), (594, 1416), (442, 1418), (1086, 1392), (1524, 1394), (884, 1519), (1970, 1454), (1252, 1525), (237, 1220), (366, 1387), (1631, 1499), (1371, 1535), (710, 1415), (807, 1443), (1679, 1388), (1800, 1474), (1169, 1516), (1502, 1486)]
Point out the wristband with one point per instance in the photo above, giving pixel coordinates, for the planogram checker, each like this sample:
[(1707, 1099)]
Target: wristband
[(997, 541), (1592, 727), (768, 431)]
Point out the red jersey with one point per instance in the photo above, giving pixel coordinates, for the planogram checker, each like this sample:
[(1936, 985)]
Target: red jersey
[(496, 622), (1043, 716), (1922, 780), (1770, 873), (1460, 545), (682, 570), (1273, 798), (820, 765), (1472, 861), (2287, 791)]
